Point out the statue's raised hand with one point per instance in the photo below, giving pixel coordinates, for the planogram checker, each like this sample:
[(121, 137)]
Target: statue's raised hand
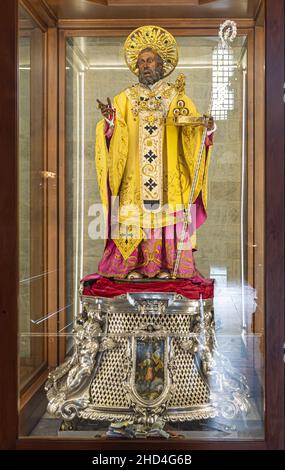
[(106, 109)]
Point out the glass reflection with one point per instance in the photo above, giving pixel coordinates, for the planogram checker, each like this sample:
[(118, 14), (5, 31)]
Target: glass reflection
[(33, 276), (94, 69)]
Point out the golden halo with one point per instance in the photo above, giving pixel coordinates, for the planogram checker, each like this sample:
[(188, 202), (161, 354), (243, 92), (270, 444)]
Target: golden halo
[(159, 40)]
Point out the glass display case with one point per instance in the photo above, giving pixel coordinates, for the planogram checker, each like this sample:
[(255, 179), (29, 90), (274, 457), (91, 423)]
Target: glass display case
[(31, 198), (95, 68)]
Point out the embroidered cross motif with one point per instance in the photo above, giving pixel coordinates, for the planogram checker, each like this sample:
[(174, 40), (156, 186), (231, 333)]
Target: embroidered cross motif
[(127, 235), (150, 156), (150, 129), (150, 184)]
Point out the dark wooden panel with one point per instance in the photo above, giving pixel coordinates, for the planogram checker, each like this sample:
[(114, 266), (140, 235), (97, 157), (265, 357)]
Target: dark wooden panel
[(184, 25), (136, 444), (82, 9), (274, 223), (274, 236), (9, 225), (33, 405), (40, 11), (151, 2)]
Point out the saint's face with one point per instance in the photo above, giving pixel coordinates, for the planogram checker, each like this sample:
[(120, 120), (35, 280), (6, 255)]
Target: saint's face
[(147, 61), (148, 68)]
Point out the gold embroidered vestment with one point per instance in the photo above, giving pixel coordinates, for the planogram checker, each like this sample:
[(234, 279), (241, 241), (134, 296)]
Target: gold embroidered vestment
[(150, 162)]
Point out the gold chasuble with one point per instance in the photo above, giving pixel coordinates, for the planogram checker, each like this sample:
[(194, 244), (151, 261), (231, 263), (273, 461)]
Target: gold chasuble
[(151, 161)]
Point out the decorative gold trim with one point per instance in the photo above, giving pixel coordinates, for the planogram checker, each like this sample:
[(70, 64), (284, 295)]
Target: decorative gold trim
[(150, 106), (180, 84), (186, 120)]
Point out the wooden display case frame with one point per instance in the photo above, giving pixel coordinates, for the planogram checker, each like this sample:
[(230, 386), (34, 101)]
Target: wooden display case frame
[(267, 171)]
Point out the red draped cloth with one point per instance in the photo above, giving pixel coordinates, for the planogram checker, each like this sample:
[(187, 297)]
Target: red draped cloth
[(194, 288)]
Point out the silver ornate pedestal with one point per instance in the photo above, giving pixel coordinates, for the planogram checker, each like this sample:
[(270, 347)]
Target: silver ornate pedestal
[(145, 359)]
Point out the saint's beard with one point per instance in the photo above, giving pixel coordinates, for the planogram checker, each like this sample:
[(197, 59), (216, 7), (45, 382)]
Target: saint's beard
[(150, 78)]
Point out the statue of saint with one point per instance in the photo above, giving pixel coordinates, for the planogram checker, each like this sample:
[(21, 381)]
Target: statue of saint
[(147, 147)]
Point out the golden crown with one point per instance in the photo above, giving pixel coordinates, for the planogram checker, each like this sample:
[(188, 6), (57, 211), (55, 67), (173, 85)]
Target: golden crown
[(160, 40)]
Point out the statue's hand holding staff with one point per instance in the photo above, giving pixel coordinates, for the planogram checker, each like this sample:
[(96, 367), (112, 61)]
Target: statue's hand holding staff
[(209, 122), (106, 109)]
